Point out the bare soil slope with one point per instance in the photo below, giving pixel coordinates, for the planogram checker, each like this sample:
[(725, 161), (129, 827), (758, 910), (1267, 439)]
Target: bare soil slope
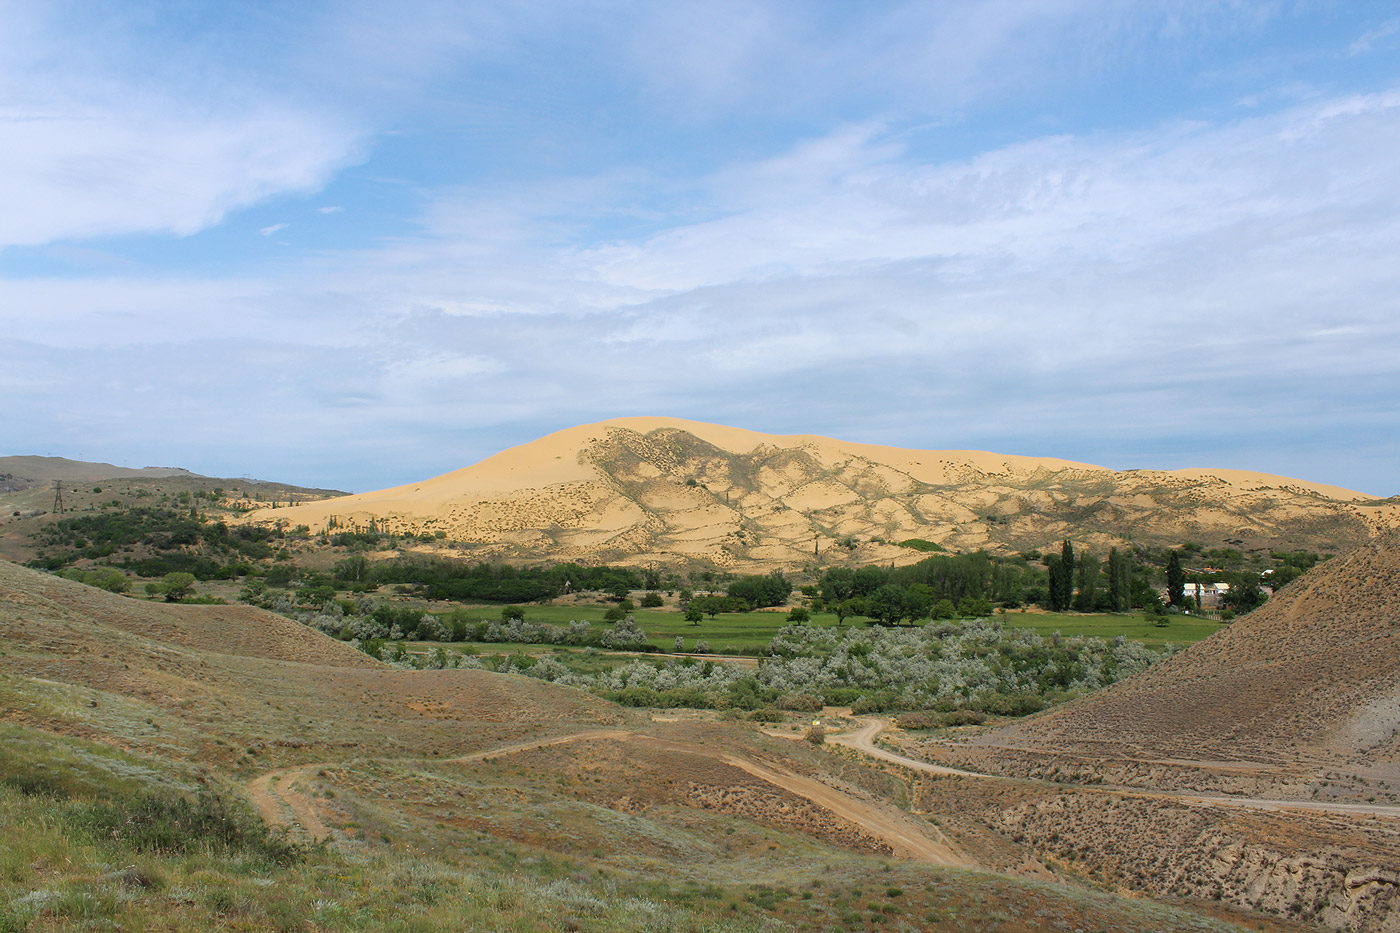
[(662, 489), (1308, 686), (240, 687), (235, 630)]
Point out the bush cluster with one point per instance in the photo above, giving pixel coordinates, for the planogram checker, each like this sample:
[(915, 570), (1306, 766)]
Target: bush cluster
[(948, 667)]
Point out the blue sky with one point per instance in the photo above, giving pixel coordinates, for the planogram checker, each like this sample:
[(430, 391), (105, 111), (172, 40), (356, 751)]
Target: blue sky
[(357, 244)]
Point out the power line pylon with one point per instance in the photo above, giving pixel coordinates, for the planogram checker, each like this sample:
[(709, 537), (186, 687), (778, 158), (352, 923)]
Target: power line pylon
[(58, 496)]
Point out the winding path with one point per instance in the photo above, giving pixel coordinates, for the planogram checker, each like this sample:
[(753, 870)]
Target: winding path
[(279, 800), (863, 740)]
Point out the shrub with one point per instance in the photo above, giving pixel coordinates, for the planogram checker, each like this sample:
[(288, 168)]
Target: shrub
[(113, 581), (625, 634), (171, 825), (431, 629), (917, 720), (803, 702)]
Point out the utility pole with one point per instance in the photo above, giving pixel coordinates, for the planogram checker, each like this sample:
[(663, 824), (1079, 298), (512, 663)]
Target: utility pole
[(58, 496)]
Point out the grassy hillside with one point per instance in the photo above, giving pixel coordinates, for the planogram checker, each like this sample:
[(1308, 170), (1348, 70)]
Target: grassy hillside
[(150, 757)]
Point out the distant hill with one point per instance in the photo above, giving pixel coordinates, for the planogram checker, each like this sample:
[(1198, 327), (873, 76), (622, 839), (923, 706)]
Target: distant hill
[(663, 490), (18, 473), (1309, 684)]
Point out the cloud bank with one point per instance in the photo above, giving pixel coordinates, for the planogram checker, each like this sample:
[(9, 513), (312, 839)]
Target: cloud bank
[(1214, 287)]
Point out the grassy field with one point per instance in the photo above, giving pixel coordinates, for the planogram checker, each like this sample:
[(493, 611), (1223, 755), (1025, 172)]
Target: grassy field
[(750, 632)]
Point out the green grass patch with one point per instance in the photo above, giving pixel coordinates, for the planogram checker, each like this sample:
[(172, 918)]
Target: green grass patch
[(749, 633), (1179, 630)]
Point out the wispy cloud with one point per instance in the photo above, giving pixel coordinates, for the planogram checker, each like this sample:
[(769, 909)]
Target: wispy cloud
[(1371, 37), (816, 219), (100, 150)]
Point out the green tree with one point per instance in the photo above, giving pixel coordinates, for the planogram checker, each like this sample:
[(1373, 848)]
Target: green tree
[(176, 586), (843, 608), (1176, 581), (837, 584), (1119, 577), (1086, 595), (769, 590), (869, 579), (1245, 593), (113, 581), (887, 604), (1061, 590), (714, 605), (694, 616)]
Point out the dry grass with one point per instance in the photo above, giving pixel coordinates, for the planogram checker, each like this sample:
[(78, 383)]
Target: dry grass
[(657, 832)]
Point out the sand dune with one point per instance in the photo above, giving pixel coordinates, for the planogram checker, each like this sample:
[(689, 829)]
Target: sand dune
[(685, 490)]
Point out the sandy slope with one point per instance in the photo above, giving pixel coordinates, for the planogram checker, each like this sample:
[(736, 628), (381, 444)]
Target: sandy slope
[(665, 489)]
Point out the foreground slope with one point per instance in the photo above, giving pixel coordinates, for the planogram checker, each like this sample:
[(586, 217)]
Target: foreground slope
[(1307, 685), (242, 688), (665, 489), (451, 799), (1259, 767)]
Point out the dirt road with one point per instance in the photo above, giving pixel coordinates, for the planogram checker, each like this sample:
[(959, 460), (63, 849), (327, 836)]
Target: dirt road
[(906, 837), (863, 740), (280, 798), (275, 793)]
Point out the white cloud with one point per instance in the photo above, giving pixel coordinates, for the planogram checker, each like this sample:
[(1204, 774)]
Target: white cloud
[(1122, 292), (95, 146), (1369, 39)]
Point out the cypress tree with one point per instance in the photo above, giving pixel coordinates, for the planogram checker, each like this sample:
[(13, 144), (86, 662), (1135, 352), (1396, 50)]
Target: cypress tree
[(1176, 581), (1067, 573), (1118, 585), (1062, 579), (1087, 583)]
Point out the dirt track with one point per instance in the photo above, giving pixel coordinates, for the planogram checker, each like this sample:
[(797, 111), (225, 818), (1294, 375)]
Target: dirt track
[(863, 741), (277, 798), (281, 803)]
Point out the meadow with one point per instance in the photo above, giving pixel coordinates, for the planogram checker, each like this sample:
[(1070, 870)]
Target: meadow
[(748, 633)]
